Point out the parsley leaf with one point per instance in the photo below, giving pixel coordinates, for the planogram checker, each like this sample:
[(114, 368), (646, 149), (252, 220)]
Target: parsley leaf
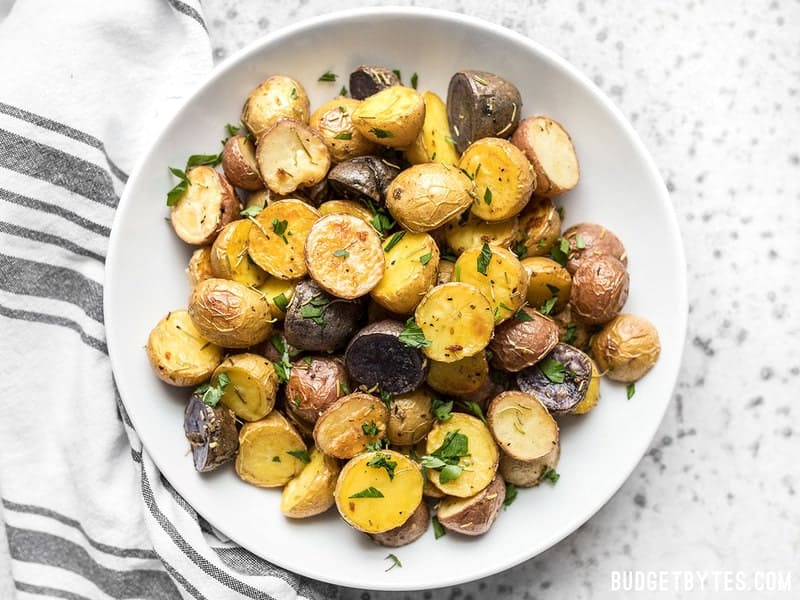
[(281, 301), (279, 227), (454, 446), (553, 370), (314, 310), (343, 91), (283, 367), (370, 428), (327, 76), (276, 459), (395, 561), (414, 80), (344, 135), (475, 409), (175, 193), (559, 252), (251, 211), (441, 409), (511, 495), (426, 258), (520, 249), (341, 252), (232, 129), (370, 492), (198, 160), (487, 196), (522, 316), (412, 335), (212, 394), (447, 138), (579, 242), (548, 305), (394, 240), (381, 133), (375, 445), (551, 475), (569, 334), (381, 461), (438, 528), (457, 273), (293, 94), (630, 390), (301, 455), (484, 258), (449, 473)]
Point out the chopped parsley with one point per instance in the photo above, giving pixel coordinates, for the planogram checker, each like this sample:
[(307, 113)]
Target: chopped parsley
[(343, 91), (560, 251), (426, 258), (251, 211), (520, 249), (175, 193), (370, 428), (342, 252), (579, 242), (438, 528), (283, 367), (328, 76), (212, 394), (484, 258), (281, 301), (630, 390), (314, 310), (487, 196), (395, 561), (551, 475), (232, 129), (522, 316), (394, 240), (457, 272), (301, 455), (412, 335), (414, 80), (553, 370), (344, 135), (399, 76), (446, 457), (279, 227), (547, 307), (381, 133), (276, 459), (441, 409), (569, 334), (382, 461), (474, 409), (375, 445), (511, 495), (370, 492), (447, 138)]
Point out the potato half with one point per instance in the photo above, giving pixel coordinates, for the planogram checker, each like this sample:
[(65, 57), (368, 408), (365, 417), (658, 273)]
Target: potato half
[(292, 155), (457, 320), (547, 280), (349, 424), (311, 492), (433, 142), (539, 227), (462, 235), (230, 258), (199, 267), (271, 452), (413, 529), (412, 261), (279, 293), (371, 499), (208, 204), (498, 274), (239, 163), (464, 376), (333, 120), (549, 148), (178, 353), (278, 96), (522, 426), (349, 207), (410, 417), (393, 117), (474, 515), (252, 385), (344, 255)]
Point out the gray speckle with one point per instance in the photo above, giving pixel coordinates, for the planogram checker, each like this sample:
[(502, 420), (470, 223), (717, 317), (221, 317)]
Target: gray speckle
[(640, 500)]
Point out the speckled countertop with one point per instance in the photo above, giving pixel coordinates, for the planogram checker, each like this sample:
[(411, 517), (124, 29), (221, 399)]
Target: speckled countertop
[(713, 89)]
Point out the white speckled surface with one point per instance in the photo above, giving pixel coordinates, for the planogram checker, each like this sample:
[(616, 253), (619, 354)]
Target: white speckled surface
[(713, 90)]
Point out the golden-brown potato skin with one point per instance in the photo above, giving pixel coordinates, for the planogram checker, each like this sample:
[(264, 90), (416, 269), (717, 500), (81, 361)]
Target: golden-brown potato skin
[(392, 117), (547, 279), (311, 492), (518, 344), (410, 417), (208, 204), (239, 163), (315, 382), (199, 267), (333, 120), (229, 313), (626, 348), (278, 96), (588, 240), (349, 424), (539, 227), (408, 532), (599, 289), (476, 514)]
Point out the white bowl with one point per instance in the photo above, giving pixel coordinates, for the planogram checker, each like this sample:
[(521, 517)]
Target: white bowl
[(620, 188)]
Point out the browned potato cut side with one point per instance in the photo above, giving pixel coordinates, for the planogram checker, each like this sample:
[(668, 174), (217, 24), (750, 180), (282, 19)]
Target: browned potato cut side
[(433, 142), (199, 267), (311, 492), (208, 204), (626, 348), (408, 532), (333, 120), (373, 501), (425, 196), (479, 464), (464, 376), (476, 514), (178, 353), (523, 341), (349, 424), (279, 96), (392, 117), (528, 473), (549, 149), (239, 163), (229, 313), (230, 258), (345, 206), (473, 233), (412, 260), (344, 255), (522, 426), (504, 179), (548, 282), (498, 274), (539, 228), (410, 417), (252, 385), (291, 155), (457, 320), (278, 237), (271, 452)]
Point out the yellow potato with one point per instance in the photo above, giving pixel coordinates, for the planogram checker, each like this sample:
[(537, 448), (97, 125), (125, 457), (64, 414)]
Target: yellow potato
[(279, 96), (278, 292), (498, 274), (474, 232), (350, 207), (463, 376), (199, 267), (522, 426), (333, 120), (393, 117), (539, 228), (311, 492), (548, 147), (433, 142), (271, 452), (292, 155), (229, 257), (252, 385), (349, 424), (412, 261), (592, 393), (208, 204), (547, 279)]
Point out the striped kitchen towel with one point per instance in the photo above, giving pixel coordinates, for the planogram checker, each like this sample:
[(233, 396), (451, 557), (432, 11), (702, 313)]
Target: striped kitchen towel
[(86, 512)]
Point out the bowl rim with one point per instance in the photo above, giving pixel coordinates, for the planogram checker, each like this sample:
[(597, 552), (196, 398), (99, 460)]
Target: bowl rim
[(332, 19)]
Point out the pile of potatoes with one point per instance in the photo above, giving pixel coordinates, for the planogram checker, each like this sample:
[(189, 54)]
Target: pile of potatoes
[(384, 306)]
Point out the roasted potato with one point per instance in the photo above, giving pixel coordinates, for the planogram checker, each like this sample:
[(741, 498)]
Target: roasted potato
[(279, 293), (425, 196), (457, 320), (461, 235), (378, 356), (528, 473), (477, 459), (523, 341), (239, 163), (230, 314), (319, 322), (416, 525), (476, 514), (599, 289), (626, 348), (592, 394), (366, 81), (378, 491), (410, 417), (278, 236), (314, 383), (548, 283), (481, 105), (292, 155), (230, 258), (349, 207), (178, 352), (212, 434), (539, 228), (433, 142), (560, 381), (522, 426), (199, 267), (334, 123), (252, 385), (589, 240), (573, 331), (271, 452), (264, 197), (392, 117), (344, 256), (349, 424), (498, 274), (504, 179), (277, 97), (464, 376), (311, 492), (412, 262), (445, 272), (208, 204), (549, 148), (364, 178)]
